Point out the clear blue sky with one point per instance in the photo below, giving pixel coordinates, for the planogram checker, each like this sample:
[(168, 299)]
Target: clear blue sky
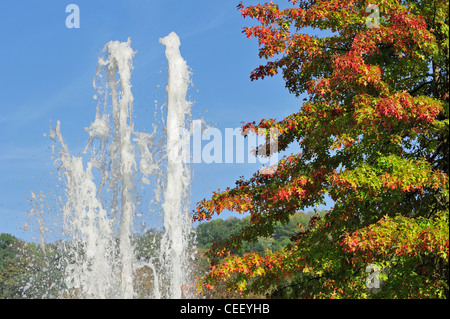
[(47, 72)]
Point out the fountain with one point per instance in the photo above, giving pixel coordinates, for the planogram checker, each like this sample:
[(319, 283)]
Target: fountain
[(98, 258)]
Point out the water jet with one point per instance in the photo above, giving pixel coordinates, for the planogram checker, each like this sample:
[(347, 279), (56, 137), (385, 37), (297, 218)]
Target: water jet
[(99, 204)]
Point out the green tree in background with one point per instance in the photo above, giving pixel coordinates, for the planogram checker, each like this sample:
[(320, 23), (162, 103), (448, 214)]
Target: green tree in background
[(27, 270), (217, 230)]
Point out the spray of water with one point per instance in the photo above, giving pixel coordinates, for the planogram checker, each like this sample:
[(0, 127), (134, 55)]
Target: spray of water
[(100, 200), (176, 223)]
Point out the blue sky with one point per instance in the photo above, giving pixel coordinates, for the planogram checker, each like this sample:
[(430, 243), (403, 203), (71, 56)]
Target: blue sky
[(47, 72)]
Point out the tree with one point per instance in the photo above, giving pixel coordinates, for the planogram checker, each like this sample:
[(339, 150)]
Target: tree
[(6, 249), (217, 230), (7, 271), (29, 270), (373, 135)]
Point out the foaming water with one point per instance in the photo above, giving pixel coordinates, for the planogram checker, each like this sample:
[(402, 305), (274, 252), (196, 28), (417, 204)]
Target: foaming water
[(176, 201), (98, 257)]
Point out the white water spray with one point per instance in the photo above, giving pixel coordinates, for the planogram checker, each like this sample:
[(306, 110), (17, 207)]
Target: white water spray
[(100, 259), (176, 222)]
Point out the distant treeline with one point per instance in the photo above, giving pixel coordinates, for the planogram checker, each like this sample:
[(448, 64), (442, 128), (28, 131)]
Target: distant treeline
[(28, 270), (219, 229)]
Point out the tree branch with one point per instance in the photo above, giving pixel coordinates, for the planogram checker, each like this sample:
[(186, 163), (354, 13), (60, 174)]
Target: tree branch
[(411, 92)]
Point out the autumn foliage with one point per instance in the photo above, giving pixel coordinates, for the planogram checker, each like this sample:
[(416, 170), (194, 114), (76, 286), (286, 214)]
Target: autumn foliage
[(373, 136)]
